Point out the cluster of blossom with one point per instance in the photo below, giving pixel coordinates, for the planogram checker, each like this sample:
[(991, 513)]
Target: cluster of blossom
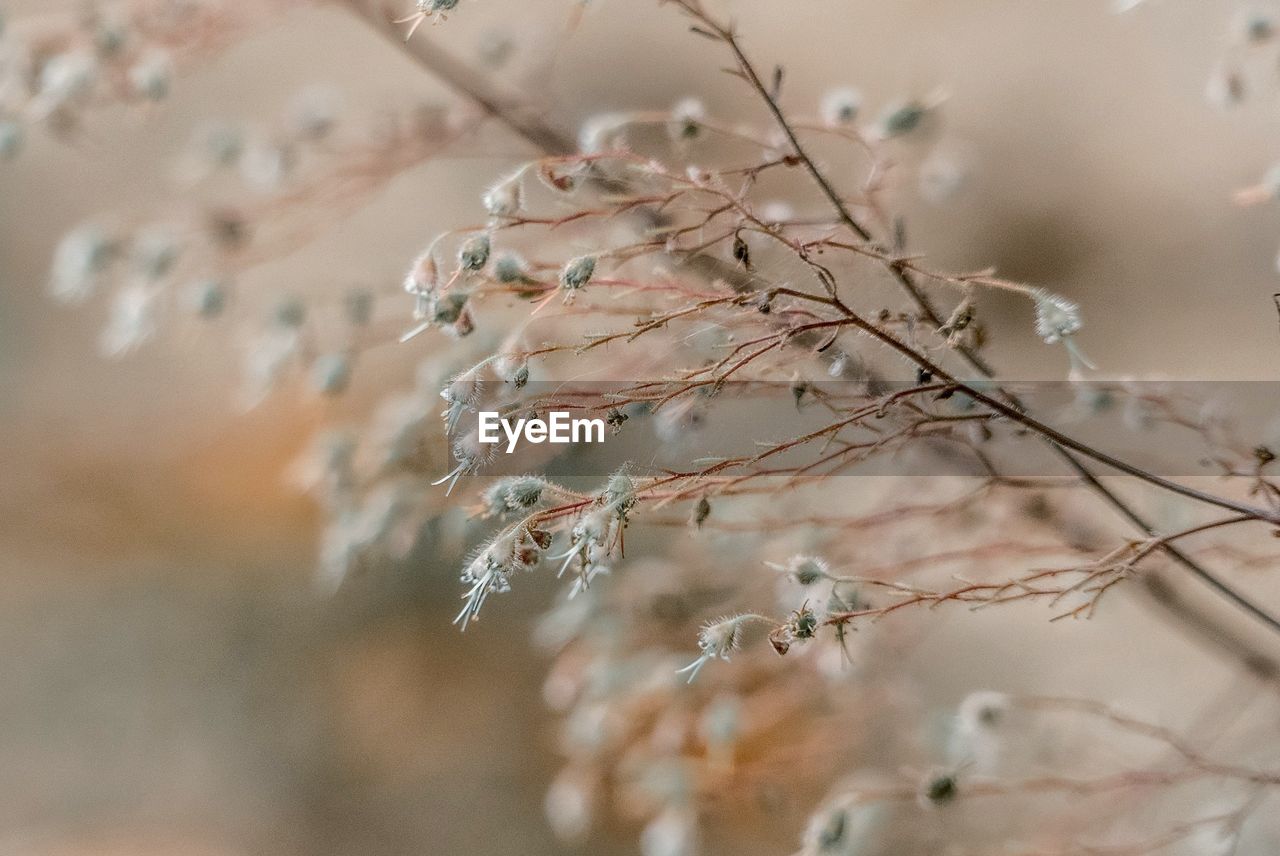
[(1247, 68), (187, 260), (641, 741), (184, 263), (685, 757), (1065, 775), (55, 67), (658, 258)]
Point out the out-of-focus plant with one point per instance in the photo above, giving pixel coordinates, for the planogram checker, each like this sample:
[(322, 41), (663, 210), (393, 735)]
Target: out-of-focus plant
[(639, 270)]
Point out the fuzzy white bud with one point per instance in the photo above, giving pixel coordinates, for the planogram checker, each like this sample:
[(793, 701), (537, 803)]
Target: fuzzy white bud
[(152, 76), (687, 119), (504, 198), (131, 320), (577, 272), (67, 76), (79, 263), (1056, 317), (12, 136), (674, 832), (840, 106)]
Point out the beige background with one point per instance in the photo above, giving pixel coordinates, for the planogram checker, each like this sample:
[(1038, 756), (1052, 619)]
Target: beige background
[(168, 680)]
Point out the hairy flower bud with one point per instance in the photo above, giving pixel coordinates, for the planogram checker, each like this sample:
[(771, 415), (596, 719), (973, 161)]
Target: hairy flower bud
[(290, 313), (841, 106), (79, 262), (577, 273), (1056, 317), (843, 827), (67, 76), (208, 297), (152, 76), (509, 267), (11, 139), (504, 198), (805, 570), (474, 254), (674, 832), (938, 789), (901, 118), (687, 116), (620, 494), (131, 320), (517, 493), (331, 373), (461, 393)]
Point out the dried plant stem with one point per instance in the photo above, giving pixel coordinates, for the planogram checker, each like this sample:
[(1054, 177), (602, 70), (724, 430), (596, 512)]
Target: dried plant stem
[(510, 112), (1063, 445), (464, 80)]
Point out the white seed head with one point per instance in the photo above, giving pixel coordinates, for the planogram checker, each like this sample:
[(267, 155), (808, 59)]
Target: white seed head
[(577, 272), (840, 106), (290, 313), (423, 275), (79, 262), (516, 493), (723, 637), (983, 710), (110, 34), (218, 143), (1271, 181), (1225, 87), (1056, 317), (331, 373), (689, 110), (154, 252), (464, 388), (504, 198), (674, 832), (807, 570), (687, 118), (67, 76), (601, 133), (592, 528), (901, 118), (152, 76), (620, 493), (131, 320), (941, 177), (721, 721), (266, 360), (842, 827), (1254, 26), (358, 305), (510, 267), (495, 49), (11, 139), (980, 733), (776, 211), (569, 806), (474, 254), (314, 112), (266, 165), (208, 298)]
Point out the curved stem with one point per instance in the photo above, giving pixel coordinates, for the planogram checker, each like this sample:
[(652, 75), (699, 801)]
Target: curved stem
[(528, 125), (1064, 446)]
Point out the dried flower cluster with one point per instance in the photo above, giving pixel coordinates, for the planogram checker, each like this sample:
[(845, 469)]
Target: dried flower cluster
[(637, 271)]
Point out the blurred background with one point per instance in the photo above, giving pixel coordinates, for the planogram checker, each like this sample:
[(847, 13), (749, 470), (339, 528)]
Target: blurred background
[(170, 681)]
